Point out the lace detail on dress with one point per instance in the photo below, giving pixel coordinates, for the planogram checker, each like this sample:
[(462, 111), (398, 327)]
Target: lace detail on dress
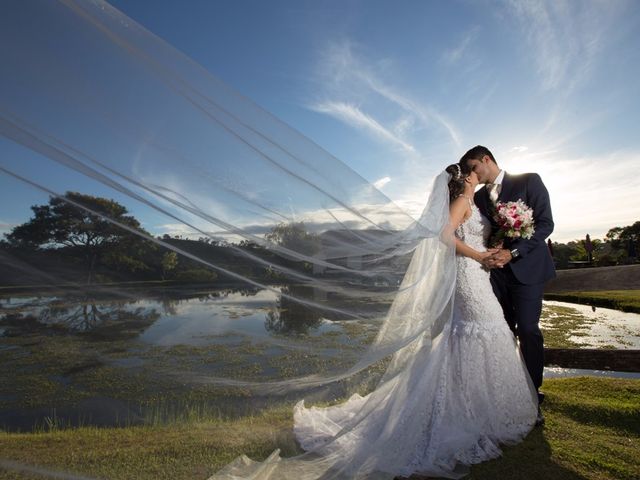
[(475, 302)]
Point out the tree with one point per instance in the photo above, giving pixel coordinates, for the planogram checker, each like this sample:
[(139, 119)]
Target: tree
[(625, 241), (295, 237), (169, 263), (63, 224), (584, 251), (562, 253), (613, 236)]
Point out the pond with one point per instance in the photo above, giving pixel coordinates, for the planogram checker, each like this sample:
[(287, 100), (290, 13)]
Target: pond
[(119, 358), (145, 356), (570, 325)]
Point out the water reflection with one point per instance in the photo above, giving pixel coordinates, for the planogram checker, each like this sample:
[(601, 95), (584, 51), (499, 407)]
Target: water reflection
[(77, 315), (595, 328), (169, 316), (210, 317), (197, 317), (90, 356), (290, 317)]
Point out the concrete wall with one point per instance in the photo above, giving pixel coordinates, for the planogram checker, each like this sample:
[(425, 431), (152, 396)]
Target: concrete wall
[(625, 277)]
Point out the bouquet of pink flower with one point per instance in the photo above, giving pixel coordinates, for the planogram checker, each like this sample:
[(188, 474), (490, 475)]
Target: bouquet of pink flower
[(515, 220)]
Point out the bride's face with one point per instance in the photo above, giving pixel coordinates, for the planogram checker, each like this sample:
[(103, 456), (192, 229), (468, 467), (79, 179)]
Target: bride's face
[(472, 179)]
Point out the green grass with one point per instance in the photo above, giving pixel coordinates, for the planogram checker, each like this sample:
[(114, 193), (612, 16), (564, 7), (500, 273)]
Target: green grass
[(592, 432), (563, 327), (625, 300), (191, 450)]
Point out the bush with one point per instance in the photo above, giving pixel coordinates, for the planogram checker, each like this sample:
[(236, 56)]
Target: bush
[(196, 275), (606, 260)]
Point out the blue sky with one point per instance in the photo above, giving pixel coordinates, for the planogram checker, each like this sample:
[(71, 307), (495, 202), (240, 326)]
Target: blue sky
[(398, 90)]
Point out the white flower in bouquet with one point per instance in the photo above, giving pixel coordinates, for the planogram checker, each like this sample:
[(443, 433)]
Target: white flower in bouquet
[(515, 220)]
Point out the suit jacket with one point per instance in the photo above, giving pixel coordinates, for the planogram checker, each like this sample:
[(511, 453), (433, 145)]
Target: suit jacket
[(534, 265)]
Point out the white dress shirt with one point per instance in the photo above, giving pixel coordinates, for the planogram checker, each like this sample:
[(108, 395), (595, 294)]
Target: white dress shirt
[(499, 179)]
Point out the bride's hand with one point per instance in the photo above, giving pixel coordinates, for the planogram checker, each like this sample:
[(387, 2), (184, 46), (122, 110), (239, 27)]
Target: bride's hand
[(482, 256)]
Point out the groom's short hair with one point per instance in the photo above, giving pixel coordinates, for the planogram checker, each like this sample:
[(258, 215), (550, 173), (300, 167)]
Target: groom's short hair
[(476, 153)]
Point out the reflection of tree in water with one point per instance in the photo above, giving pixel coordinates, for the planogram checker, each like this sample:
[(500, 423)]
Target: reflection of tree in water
[(99, 318), (291, 317), (171, 299), (221, 294), (103, 315), (169, 306), (81, 317), (212, 295)]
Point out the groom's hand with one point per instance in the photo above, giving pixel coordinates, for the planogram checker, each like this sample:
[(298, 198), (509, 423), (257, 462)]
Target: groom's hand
[(498, 260)]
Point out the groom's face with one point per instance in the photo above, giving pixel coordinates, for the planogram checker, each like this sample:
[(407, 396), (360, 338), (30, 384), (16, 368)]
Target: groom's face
[(481, 168)]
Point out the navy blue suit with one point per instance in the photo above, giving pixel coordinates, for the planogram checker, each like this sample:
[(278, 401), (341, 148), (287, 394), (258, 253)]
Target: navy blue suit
[(519, 285)]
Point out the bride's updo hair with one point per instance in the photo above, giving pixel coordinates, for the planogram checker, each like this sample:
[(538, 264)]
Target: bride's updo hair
[(458, 174)]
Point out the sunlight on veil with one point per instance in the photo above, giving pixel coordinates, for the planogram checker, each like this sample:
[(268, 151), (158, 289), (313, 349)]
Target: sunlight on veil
[(97, 107)]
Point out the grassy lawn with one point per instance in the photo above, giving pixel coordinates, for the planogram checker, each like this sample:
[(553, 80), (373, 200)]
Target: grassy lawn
[(592, 432), (625, 300)]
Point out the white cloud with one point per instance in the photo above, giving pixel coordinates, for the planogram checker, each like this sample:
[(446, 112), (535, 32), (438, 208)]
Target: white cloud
[(347, 79), (381, 182), (176, 229), (353, 116), (453, 55), (404, 126), (428, 116), (564, 37), (5, 228)]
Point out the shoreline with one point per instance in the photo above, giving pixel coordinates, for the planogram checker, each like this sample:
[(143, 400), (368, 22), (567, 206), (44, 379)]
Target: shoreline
[(625, 300), (621, 300)]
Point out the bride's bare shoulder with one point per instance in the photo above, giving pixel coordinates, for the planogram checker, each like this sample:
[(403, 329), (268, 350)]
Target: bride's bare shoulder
[(459, 210)]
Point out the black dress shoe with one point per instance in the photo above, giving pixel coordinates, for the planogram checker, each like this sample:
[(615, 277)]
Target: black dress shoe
[(539, 418), (540, 397)]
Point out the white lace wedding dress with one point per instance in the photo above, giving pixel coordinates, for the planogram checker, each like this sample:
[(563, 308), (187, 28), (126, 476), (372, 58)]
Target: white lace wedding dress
[(439, 416)]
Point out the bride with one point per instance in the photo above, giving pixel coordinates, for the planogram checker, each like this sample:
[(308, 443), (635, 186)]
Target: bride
[(456, 400)]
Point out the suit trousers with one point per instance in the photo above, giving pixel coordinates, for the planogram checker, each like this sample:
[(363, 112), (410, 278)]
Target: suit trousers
[(522, 305)]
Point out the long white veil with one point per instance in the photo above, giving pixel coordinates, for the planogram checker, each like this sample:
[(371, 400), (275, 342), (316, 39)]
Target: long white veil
[(92, 105)]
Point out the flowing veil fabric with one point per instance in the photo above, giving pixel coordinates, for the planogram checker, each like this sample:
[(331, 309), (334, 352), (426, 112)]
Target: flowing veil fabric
[(94, 103), (371, 437)]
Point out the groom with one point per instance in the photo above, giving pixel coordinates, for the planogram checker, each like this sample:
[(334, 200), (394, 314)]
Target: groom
[(521, 267)]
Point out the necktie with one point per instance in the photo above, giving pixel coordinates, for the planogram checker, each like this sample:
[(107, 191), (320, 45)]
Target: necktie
[(494, 191)]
